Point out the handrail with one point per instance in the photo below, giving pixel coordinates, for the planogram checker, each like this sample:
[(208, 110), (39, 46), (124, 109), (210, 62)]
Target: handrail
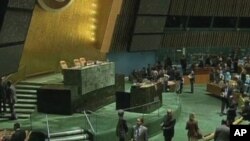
[(141, 105), (99, 114), (47, 125), (91, 126), (211, 135)]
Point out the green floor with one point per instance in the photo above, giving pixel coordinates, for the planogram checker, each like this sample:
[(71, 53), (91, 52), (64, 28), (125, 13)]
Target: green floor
[(206, 108), (104, 120)]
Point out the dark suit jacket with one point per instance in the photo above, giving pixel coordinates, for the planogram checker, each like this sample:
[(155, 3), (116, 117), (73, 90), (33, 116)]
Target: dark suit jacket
[(222, 133), (19, 135), (228, 94), (168, 127), (142, 135), (121, 128)]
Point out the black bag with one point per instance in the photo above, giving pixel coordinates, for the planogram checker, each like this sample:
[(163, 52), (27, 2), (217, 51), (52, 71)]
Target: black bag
[(199, 135)]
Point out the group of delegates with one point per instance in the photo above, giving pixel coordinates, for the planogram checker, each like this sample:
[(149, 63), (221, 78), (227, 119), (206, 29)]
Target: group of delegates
[(7, 96), (162, 73), (139, 132)]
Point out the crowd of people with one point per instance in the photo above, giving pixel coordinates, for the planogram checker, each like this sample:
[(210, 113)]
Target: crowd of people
[(164, 72), (139, 132), (225, 72)]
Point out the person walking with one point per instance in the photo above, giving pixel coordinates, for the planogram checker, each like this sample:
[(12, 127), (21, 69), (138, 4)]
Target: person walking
[(222, 133), (191, 77), (192, 128), (139, 131), (11, 98), (168, 125), (121, 127)]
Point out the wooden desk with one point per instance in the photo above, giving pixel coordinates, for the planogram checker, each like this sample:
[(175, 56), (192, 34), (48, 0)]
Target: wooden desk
[(201, 76), (214, 89), (90, 78)]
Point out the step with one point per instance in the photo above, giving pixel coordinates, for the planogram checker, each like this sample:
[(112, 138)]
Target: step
[(3, 119), (23, 86), (26, 96), (18, 110), (30, 83), (71, 138), (26, 101), (29, 106), (23, 116), (24, 91), (66, 133), (19, 116)]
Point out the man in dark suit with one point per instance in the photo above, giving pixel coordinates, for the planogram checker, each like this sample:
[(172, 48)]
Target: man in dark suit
[(19, 134), (139, 132), (167, 125), (222, 133), (11, 98), (121, 128), (225, 97), (191, 77), (183, 62)]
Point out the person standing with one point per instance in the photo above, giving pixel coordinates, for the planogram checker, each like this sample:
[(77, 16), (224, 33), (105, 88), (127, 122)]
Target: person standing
[(225, 97), (231, 113), (19, 134), (168, 125), (2, 97), (183, 62), (222, 133), (3, 94), (192, 128), (121, 128), (139, 132), (191, 77), (11, 98)]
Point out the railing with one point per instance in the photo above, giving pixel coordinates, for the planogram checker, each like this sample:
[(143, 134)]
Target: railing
[(47, 125), (91, 126), (100, 118)]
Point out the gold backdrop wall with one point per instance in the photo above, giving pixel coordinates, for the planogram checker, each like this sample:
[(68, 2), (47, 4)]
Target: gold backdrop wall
[(74, 32)]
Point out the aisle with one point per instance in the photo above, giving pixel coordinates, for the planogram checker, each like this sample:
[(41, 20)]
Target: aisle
[(207, 110)]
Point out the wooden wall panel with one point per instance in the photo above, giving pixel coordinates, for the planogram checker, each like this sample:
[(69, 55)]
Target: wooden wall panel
[(179, 39), (210, 7)]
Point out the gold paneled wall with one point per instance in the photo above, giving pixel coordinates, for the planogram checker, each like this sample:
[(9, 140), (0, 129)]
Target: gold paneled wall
[(72, 33), (104, 7)]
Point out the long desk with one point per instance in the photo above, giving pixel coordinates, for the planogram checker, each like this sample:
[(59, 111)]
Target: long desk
[(90, 78)]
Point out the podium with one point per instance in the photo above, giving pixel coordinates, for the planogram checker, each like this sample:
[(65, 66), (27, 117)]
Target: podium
[(214, 89), (90, 78), (55, 99), (143, 98)]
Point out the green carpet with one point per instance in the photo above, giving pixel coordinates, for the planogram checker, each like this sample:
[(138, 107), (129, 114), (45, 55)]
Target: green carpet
[(104, 120)]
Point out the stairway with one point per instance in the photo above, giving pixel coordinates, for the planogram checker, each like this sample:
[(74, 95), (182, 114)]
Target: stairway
[(71, 135), (26, 96)]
